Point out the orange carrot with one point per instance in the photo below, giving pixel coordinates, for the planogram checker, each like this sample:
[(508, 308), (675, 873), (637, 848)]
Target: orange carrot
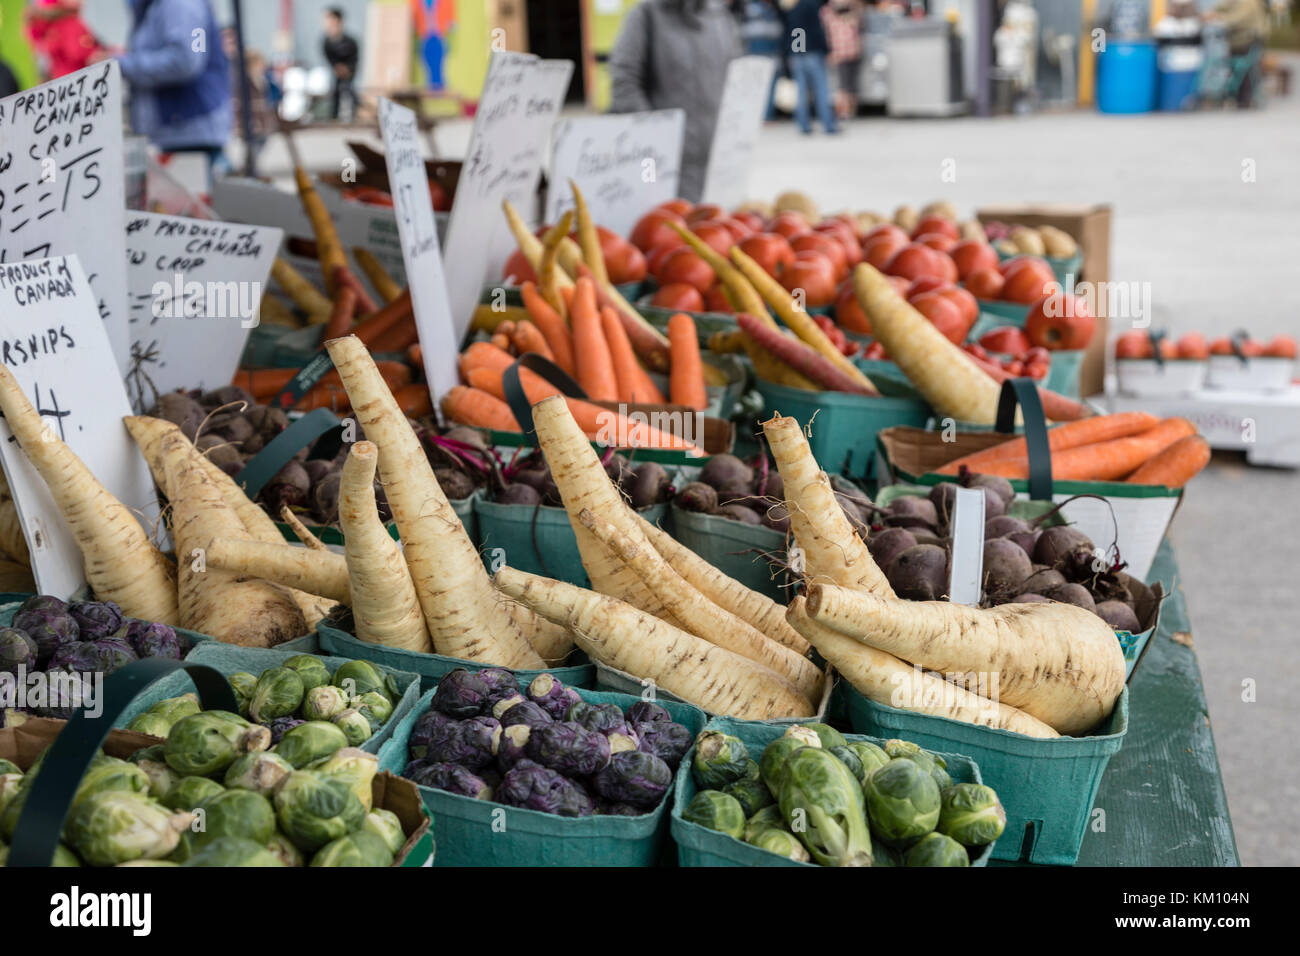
[(591, 350), (529, 338), (553, 327), (634, 384), (686, 379), (487, 380), (266, 383), (647, 341), (1086, 431), (398, 337), (501, 341), (345, 310), (1176, 465), (566, 296), (345, 278), (376, 325), (415, 355), (414, 400), (1110, 460), (485, 355), (469, 406)]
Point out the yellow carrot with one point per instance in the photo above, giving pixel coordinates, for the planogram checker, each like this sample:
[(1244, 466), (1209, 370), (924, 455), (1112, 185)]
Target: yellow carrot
[(530, 245), (588, 239), (742, 292), (387, 287), (298, 288), (548, 273), (329, 250)]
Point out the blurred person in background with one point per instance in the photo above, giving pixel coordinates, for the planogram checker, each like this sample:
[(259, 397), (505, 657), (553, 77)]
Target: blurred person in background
[(60, 39), (261, 115), (842, 20), (806, 39), (1246, 24), (761, 31), (673, 54), (341, 53)]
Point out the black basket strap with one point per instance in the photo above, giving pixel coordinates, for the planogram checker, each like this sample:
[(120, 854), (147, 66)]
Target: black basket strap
[(266, 464), (514, 389), (1024, 392)]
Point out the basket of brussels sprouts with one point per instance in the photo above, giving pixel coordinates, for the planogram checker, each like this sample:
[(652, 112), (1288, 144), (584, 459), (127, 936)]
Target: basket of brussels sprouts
[(137, 801), (362, 700), (752, 794), (536, 773)]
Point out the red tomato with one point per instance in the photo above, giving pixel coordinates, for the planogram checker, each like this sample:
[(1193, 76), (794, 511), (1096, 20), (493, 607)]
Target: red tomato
[(1037, 354), (925, 284), (679, 297), (985, 284), (936, 240), (715, 300), (1026, 279), (654, 259), (704, 211), (715, 233), (652, 230), (1281, 347), (518, 267), (900, 284), (879, 250), (1036, 370), (683, 264), (848, 311), (886, 229), (769, 249), (1217, 347), (626, 263), (971, 254), (679, 206), (814, 274), (1252, 349), (750, 218), (965, 302), (1193, 346), (827, 246), (842, 233), (937, 224), (1015, 367), (946, 264), (915, 260), (1137, 345), (738, 229), (875, 351), (943, 315), (1060, 321), (788, 224)]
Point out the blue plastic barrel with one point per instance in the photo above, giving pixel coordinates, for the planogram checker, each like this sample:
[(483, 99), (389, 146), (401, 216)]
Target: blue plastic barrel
[(1180, 71), (1126, 77)]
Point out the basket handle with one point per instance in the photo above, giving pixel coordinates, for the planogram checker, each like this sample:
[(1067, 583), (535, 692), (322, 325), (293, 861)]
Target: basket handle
[(1024, 392), (40, 826), (279, 451), (519, 404)]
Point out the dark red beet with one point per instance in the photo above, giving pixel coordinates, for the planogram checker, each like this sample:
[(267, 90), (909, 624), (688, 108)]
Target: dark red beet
[(1075, 594), (1119, 616), (1057, 542), (697, 496), (920, 573), (740, 513), (1006, 566), (889, 544), (519, 494)]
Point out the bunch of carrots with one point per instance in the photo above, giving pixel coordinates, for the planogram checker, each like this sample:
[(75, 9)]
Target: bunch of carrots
[(1133, 447)]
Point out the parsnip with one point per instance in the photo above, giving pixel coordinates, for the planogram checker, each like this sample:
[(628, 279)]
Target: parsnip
[(463, 613), (229, 606), (623, 637), (384, 604), (323, 573), (887, 680), (702, 617), (121, 563), (830, 549), (301, 531), (554, 642), (1057, 662)]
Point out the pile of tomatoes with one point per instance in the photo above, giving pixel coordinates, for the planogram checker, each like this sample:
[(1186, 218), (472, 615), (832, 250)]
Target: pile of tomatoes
[(1138, 344), (624, 262)]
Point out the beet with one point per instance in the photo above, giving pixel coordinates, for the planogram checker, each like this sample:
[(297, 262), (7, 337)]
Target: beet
[(469, 436), (1000, 526), (1057, 542), (318, 468), (920, 573), (254, 443), (995, 483), (777, 518), (275, 421), (1006, 566), (1119, 616), (455, 484), (911, 511), (889, 544), (226, 395), (325, 498), (770, 486), (842, 486), (1043, 581), (290, 486), (1028, 597), (1075, 594), (650, 485), (179, 409), (697, 496), (536, 477), (857, 520), (733, 492), (942, 497), (217, 450), (740, 513), (723, 471), (519, 494), (1026, 540)]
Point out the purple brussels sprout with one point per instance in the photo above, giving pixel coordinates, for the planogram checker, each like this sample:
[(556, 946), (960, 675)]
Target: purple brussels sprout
[(50, 628), (114, 653), (153, 640), (97, 619), (460, 694), (513, 746), (77, 657), (449, 777), (552, 696), (569, 749), (603, 718), (500, 682), (526, 713), (16, 650), (535, 787), (667, 741), (429, 722), (43, 602), (647, 712), (279, 726), (471, 743), (634, 777), (65, 695)]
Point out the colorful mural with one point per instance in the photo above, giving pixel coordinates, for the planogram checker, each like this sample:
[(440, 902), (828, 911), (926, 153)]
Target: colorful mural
[(434, 22)]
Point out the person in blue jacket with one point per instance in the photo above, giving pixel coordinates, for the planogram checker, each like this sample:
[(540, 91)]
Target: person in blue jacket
[(806, 37)]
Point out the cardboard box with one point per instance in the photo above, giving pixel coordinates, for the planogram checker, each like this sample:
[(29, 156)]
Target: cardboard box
[(1090, 227)]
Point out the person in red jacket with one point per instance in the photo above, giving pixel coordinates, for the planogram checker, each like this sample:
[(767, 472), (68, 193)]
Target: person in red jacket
[(60, 37)]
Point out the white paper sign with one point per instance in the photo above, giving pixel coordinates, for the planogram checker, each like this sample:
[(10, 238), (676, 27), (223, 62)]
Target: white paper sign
[(521, 98), (195, 290), (63, 184), (413, 206), (740, 117), (624, 163), (56, 346)]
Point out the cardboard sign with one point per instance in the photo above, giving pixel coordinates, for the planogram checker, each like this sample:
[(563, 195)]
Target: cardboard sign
[(53, 341), (413, 205), (63, 184), (624, 163), (195, 293), (521, 98), (966, 571), (740, 116)]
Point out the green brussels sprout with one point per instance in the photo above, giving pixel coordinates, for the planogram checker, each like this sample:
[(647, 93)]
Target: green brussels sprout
[(190, 792), (783, 843), (804, 734), (8, 766), (243, 684), (162, 778), (719, 759), (158, 752), (775, 755), (354, 726), (260, 772), (900, 748), (847, 757), (358, 678), (174, 708), (309, 742), (385, 825), (324, 702), (205, 744), (362, 848), (155, 725), (766, 819), (354, 767), (314, 809), (882, 854), (717, 811), (869, 755), (752, 795), (8, 789), (233, 813), (282, 848), (902, 802), (828, 735), (822, 804), (234, 851), (310, 668), (971, 814), (110, 773), (376, 708), (115, 826), (936, 849), (751, 770), (931, 763), (279, 693)]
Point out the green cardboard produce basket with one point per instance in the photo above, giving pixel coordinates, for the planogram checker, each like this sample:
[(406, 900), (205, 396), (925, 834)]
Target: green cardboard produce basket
[(472, 832), (536, 538), (1005, 313), (734, 548), (621, 682), (227, 659), (578, 672), (700, 846), (1046, 786)]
